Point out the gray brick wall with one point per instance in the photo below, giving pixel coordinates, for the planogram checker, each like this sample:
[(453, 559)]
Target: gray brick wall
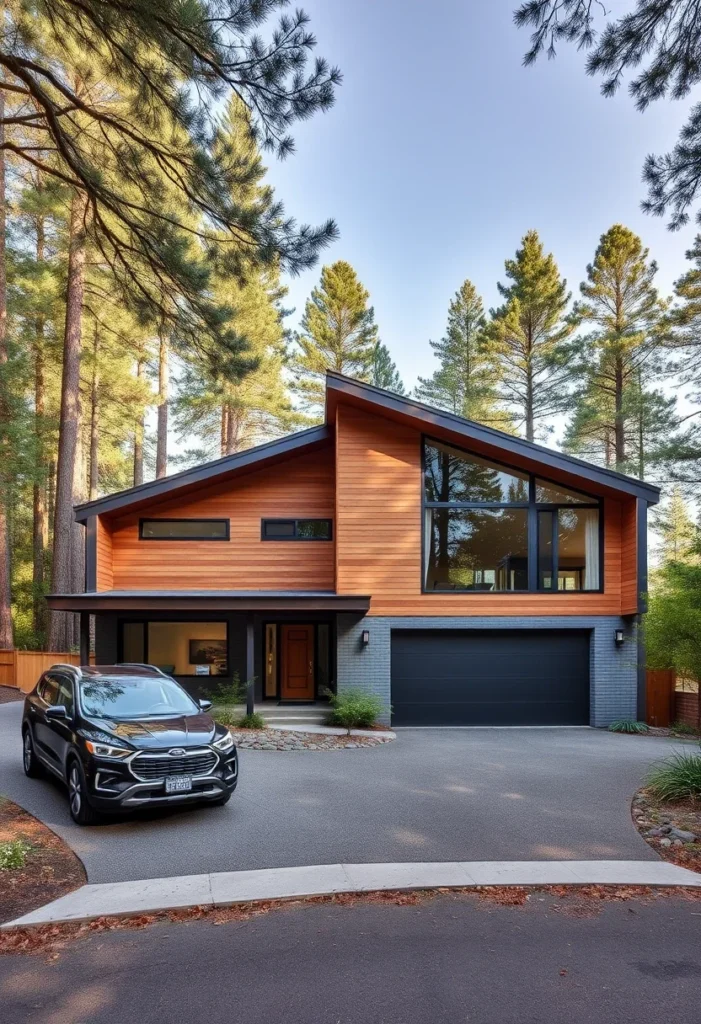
[(613, 669)]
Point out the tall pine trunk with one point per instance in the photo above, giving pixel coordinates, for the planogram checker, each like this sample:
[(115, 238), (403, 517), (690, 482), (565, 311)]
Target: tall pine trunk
[(162, 430), (39, 495), (529, 405), (6, 632), (61, 625), (224, 428), (139, 434), (619, 420), (94, 420)]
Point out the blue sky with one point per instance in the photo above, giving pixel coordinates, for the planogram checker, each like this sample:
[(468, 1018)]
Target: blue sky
[(442, 151)]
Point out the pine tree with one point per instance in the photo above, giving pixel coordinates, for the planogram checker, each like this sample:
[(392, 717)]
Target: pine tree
[(660, 42), (338, 333), (530, 333), (384, 372), (466, 380), (685, 322), (616, 361), (676, 528)]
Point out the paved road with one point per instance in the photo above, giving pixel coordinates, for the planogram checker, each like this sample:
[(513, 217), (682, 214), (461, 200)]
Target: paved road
[(448, 959), (515, 794)]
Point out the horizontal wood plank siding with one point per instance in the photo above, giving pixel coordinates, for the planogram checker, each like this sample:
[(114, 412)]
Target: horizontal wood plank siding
[(378, 532), (629, 558), (302, 487), (105, 575)]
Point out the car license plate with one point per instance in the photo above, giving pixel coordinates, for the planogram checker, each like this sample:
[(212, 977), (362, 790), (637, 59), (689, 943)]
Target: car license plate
[(179, 784)]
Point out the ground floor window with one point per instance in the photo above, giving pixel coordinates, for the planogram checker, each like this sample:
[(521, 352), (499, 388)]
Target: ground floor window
[(178, 648)]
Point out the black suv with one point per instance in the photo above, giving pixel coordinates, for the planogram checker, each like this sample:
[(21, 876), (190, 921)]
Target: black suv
[(125, 736)]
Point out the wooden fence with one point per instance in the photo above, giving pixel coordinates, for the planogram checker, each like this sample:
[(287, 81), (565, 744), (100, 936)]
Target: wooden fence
[(23, 668), (670, 699)]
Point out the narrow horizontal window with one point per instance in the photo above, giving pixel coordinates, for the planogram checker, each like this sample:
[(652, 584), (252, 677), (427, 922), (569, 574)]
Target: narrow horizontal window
[(184, 529), (296, 529)]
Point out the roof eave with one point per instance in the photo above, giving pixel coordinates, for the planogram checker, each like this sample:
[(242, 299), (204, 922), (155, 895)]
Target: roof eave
[(430, 417)]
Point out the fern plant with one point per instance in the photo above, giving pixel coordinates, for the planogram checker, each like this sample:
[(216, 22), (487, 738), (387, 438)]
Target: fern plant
[(628, 725)]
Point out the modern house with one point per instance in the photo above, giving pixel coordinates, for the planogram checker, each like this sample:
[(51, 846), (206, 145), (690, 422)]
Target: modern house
[(466, 576)]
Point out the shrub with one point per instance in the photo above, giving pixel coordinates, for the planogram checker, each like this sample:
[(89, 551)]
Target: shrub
[(676, 778), (13, 854), (228, 694), (254, 721), (354, 709), (226, 716), (628, 725), (685, 729)]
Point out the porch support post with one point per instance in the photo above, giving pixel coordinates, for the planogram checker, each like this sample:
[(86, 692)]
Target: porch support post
[(250, 669), (85, 638)]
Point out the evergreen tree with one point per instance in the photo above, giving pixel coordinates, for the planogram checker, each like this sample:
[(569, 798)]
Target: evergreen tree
[(660, 41), (685, 322), (676, 528), (466, 380), (384, 372), (530, 335), (338, 333), (616, 361)]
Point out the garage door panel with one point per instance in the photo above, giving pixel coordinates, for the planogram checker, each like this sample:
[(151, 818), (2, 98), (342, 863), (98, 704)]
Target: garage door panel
[(464, 677)]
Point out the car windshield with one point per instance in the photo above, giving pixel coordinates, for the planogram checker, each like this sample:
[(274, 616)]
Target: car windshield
[(134, 697)]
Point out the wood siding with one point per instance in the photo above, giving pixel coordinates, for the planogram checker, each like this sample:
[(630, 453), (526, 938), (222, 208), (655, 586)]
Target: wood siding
[(378, 532), (105, 576), (629, 558), (302, 487)]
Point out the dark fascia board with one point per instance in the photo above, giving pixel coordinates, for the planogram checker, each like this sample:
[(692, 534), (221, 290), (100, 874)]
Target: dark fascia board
[(207, 600), (470, 430), (290, 445)]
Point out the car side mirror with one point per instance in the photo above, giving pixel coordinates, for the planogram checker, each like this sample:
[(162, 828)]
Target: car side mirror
[(57, 712), (205, 705)]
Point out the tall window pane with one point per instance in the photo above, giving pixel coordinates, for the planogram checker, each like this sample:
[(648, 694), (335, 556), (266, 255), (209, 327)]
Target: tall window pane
[(452, 475), (578, 549), (545, 550), (548, 494), (477, 549)]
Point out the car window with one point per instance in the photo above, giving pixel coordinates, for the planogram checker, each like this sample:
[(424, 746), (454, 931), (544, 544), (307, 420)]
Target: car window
[(49, 689), (65, 694)]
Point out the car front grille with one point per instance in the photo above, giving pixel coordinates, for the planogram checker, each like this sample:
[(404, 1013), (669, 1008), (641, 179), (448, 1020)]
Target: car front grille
[(151, 767)]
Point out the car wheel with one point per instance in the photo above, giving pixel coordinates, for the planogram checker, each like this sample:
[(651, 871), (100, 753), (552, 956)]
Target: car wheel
[(82, 811), (31, 765)]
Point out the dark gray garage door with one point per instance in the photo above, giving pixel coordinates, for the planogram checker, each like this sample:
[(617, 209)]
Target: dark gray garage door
[(470, 677)]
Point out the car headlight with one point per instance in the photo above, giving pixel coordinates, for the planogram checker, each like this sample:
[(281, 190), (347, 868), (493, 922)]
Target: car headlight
[(226, 742), (105, 750)]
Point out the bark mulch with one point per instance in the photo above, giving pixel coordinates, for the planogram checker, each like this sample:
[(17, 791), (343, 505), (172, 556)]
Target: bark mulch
[(661, 818), (50, 870), (10, 693)]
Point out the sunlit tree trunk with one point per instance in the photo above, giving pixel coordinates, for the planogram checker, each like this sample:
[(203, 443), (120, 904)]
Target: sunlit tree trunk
[(6, 632), (162, 429)]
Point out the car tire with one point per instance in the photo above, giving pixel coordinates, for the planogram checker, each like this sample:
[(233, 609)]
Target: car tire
[(30, 761), (81, 810)]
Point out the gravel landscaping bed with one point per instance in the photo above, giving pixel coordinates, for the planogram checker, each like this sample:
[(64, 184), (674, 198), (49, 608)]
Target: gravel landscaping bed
[(672, 829), (277, 739), (10, 693)]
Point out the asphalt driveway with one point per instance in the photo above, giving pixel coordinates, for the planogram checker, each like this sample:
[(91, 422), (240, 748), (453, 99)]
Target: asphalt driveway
[(434, 794)]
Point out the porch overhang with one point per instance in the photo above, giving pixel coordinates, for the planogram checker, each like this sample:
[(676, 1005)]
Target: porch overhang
[(209, 600)]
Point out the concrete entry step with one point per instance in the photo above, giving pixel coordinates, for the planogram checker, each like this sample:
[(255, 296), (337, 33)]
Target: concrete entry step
[(290, 714)]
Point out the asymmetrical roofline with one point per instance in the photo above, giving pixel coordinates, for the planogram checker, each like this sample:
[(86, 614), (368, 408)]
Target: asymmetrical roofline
[(442, 420), (292, 444)]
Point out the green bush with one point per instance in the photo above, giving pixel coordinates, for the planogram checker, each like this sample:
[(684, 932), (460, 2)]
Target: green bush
[(354, 709), (13, 854), (228, 694), (628, 725), (254, 721), (684, 729), (677, 778), (226, 716)]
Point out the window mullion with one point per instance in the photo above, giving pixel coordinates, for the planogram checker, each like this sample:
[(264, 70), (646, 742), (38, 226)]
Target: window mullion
[(556, 568), (532, 537)]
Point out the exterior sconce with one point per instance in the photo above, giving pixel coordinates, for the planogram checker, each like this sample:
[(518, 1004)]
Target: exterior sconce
[(365, 637), (618, 637)]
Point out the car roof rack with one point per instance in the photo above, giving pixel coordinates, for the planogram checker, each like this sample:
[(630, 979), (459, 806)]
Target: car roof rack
[(141, 664)]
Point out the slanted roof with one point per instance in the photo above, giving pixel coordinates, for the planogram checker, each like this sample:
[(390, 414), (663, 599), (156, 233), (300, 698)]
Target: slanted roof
[(447, 425), (230, 465)]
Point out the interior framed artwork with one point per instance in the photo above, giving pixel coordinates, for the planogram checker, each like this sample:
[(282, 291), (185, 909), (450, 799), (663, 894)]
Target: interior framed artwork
[(207, 652)]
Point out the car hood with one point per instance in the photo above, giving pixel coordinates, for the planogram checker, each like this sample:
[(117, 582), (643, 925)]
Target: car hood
[(158, 733)]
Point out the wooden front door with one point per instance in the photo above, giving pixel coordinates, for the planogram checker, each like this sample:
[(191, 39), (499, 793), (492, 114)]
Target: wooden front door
[(297, 668)]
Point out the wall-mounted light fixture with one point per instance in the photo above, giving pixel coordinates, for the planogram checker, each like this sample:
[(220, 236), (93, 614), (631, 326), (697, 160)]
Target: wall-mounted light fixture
[(365, 637), (618, 637)]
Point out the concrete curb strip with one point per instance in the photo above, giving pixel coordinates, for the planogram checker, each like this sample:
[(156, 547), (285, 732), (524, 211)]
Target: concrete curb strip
[(229, 887)]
